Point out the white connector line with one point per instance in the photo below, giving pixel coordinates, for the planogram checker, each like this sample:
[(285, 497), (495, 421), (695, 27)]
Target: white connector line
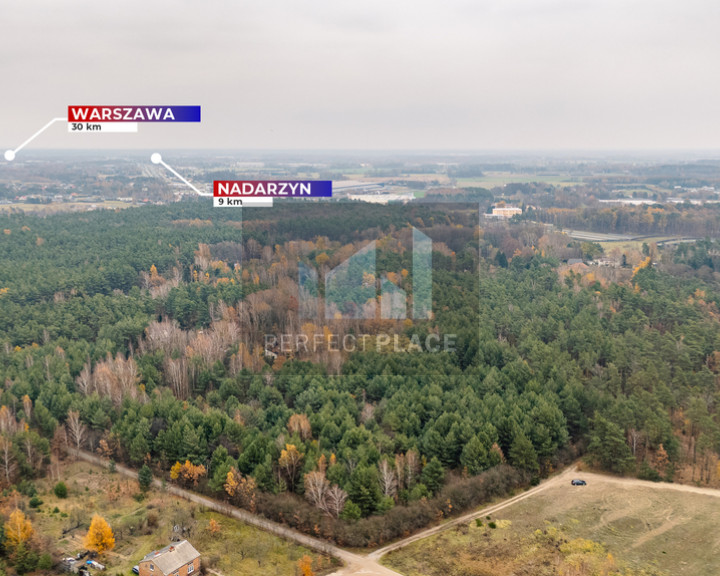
[(10, 154), (156, 158)]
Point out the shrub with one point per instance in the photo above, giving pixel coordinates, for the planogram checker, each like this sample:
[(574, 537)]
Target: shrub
[(492, 525), (26, 559), (44, 562), (351, 511), (400, 520), (647, 472), (35, 502), (478, 522), (27, 488), (60, 490)]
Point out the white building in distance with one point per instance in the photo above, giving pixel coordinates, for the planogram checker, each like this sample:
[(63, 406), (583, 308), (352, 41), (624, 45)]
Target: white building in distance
[(506, 212)]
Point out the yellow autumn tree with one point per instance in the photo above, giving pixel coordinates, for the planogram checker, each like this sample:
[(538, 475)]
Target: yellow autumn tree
[(155, 278), (175, 471), (241, 489), (100, 536), (305, 566), (290, 462), (394, 278), (18, 530), (189, 473), (322, 259), (644, 264)]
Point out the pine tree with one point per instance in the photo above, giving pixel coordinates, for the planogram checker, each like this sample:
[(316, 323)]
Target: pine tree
[(474, 456), (522, 453), (608, 446), (145, 478), (433, 475), (364, 489)]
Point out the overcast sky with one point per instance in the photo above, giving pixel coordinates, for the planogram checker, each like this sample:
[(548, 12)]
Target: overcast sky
[(376, 74)]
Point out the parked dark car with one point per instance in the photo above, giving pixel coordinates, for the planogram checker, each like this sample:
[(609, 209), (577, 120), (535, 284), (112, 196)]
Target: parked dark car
[(578, 482)]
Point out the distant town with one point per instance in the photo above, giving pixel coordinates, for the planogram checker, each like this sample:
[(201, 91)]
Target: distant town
[(88, 181)]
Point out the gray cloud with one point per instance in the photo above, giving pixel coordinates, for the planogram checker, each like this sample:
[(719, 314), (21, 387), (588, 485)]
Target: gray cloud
[(323, 74)]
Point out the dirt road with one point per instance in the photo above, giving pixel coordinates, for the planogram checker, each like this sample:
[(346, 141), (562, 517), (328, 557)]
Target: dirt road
[(354, 563), (370, 564)]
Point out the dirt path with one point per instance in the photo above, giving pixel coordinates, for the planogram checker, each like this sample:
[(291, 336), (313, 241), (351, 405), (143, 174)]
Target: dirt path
[(354, 563), (563, 477), (370, 564), (647, 484)]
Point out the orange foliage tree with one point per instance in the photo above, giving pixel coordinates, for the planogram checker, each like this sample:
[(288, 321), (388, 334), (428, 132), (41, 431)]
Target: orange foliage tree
[(18, 530), (305, 566), (189, 473), (241, 489), (100, 536)]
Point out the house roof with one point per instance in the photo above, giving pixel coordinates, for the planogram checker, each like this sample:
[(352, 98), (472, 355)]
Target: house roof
[(173, 556)]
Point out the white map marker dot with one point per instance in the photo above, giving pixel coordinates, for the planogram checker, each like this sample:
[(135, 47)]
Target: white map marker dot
[(9, 155), (155, 158)]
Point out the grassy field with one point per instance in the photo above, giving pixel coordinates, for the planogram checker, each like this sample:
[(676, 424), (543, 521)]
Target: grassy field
[(141, 527), (626, 245), (603, 524), (493, 179)]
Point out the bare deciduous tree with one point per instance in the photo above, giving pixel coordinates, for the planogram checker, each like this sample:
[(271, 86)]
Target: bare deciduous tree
[(400, 470), (8, 465), (84, 379), (412, 468), (388, 481), (76, 429), (27, 407), (176, 374), (34, 458), (300, 425), (8, 424), (316, 486), (335, 498), (166, 336)]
